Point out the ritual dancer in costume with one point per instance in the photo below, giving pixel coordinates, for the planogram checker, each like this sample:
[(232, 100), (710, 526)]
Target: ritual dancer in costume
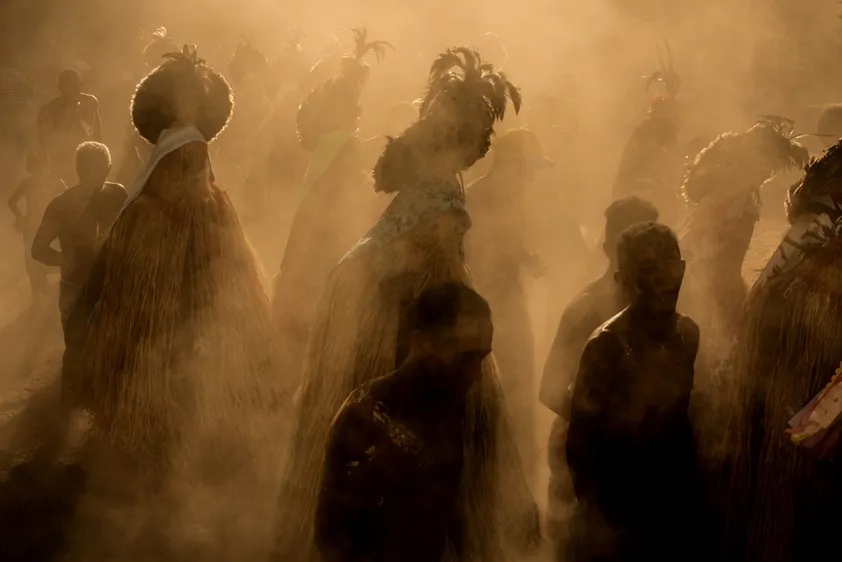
[(248, 72), (338, 205), (362, 313), (651, 162), (785, 498), (182, 371), (722, 188)]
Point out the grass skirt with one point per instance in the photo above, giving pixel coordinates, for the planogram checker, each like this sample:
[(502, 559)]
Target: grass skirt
[(182, 370), (784, 503), (354, 340)]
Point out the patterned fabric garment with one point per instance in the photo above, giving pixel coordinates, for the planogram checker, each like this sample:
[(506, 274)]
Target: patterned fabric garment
[(413, 205), (810, 232)]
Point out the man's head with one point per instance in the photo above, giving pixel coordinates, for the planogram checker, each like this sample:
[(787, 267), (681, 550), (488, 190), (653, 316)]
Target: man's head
[(69, 83), (451, 330), (622, 214), (649, 266), (93, 162), (520, 152)]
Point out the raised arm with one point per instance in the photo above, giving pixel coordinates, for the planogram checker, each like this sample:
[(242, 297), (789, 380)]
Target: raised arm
[(97, 124), (47, 233)]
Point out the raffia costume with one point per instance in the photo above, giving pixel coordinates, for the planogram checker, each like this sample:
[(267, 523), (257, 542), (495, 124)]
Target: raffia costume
[(337, 205), (182, 371), (418, 241), (785, 501), (722, 188)]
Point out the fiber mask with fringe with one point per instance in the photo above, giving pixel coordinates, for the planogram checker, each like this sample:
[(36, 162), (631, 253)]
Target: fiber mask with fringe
[(156, 101), (814, 210), (769, 143), (335, 103), (465, 97)]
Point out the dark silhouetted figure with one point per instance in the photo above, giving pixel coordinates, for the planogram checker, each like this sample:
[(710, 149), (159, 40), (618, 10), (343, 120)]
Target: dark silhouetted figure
[(77, 219), (597, 303), (630, 446), (393, 465), (67, 121), (36, 190)]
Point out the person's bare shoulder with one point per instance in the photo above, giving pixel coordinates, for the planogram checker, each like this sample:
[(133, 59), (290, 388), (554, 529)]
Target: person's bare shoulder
[(606, 341), (90, 100), (114, 191)]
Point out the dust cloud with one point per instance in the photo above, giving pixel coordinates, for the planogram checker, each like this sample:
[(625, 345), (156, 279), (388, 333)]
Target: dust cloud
[(582, 68)]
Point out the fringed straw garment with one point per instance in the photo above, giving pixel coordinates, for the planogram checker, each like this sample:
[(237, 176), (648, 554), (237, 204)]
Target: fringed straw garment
[(354, 340), (182, 370), (785, 504)]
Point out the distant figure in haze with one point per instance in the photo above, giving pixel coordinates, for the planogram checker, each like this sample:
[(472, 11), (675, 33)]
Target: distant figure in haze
[(651, 163), (597, 303), (36, 190), (337, 201), (722, 188), (77, 219), (67, 121), (497, 256), (630, 446), (16, 94), (393, 465)]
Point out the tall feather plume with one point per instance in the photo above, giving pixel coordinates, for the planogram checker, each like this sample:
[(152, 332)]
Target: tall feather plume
[(363, 46), (461, 69), (666, 73)]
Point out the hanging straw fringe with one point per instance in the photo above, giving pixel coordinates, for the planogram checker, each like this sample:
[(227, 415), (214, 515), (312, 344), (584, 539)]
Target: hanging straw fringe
[(184, 351), (799, 316), (354, 341)]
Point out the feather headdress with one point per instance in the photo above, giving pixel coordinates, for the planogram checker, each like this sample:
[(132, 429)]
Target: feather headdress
[(822, 177), (665, 74), (465, 97), (335, 103), (769, 143), (154, 104), (460, 76)]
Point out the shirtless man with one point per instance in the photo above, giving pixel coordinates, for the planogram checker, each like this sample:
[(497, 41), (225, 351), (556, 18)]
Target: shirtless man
[(394, 453), (36, 190), (630, 446), (66, 121), (77, 218), (597, 303)]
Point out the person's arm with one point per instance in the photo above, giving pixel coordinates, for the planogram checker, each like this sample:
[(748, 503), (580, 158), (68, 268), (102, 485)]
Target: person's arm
[(97, 124), (47, 232), (350, 480), (563, 361), (590, 400), (13, 201)]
